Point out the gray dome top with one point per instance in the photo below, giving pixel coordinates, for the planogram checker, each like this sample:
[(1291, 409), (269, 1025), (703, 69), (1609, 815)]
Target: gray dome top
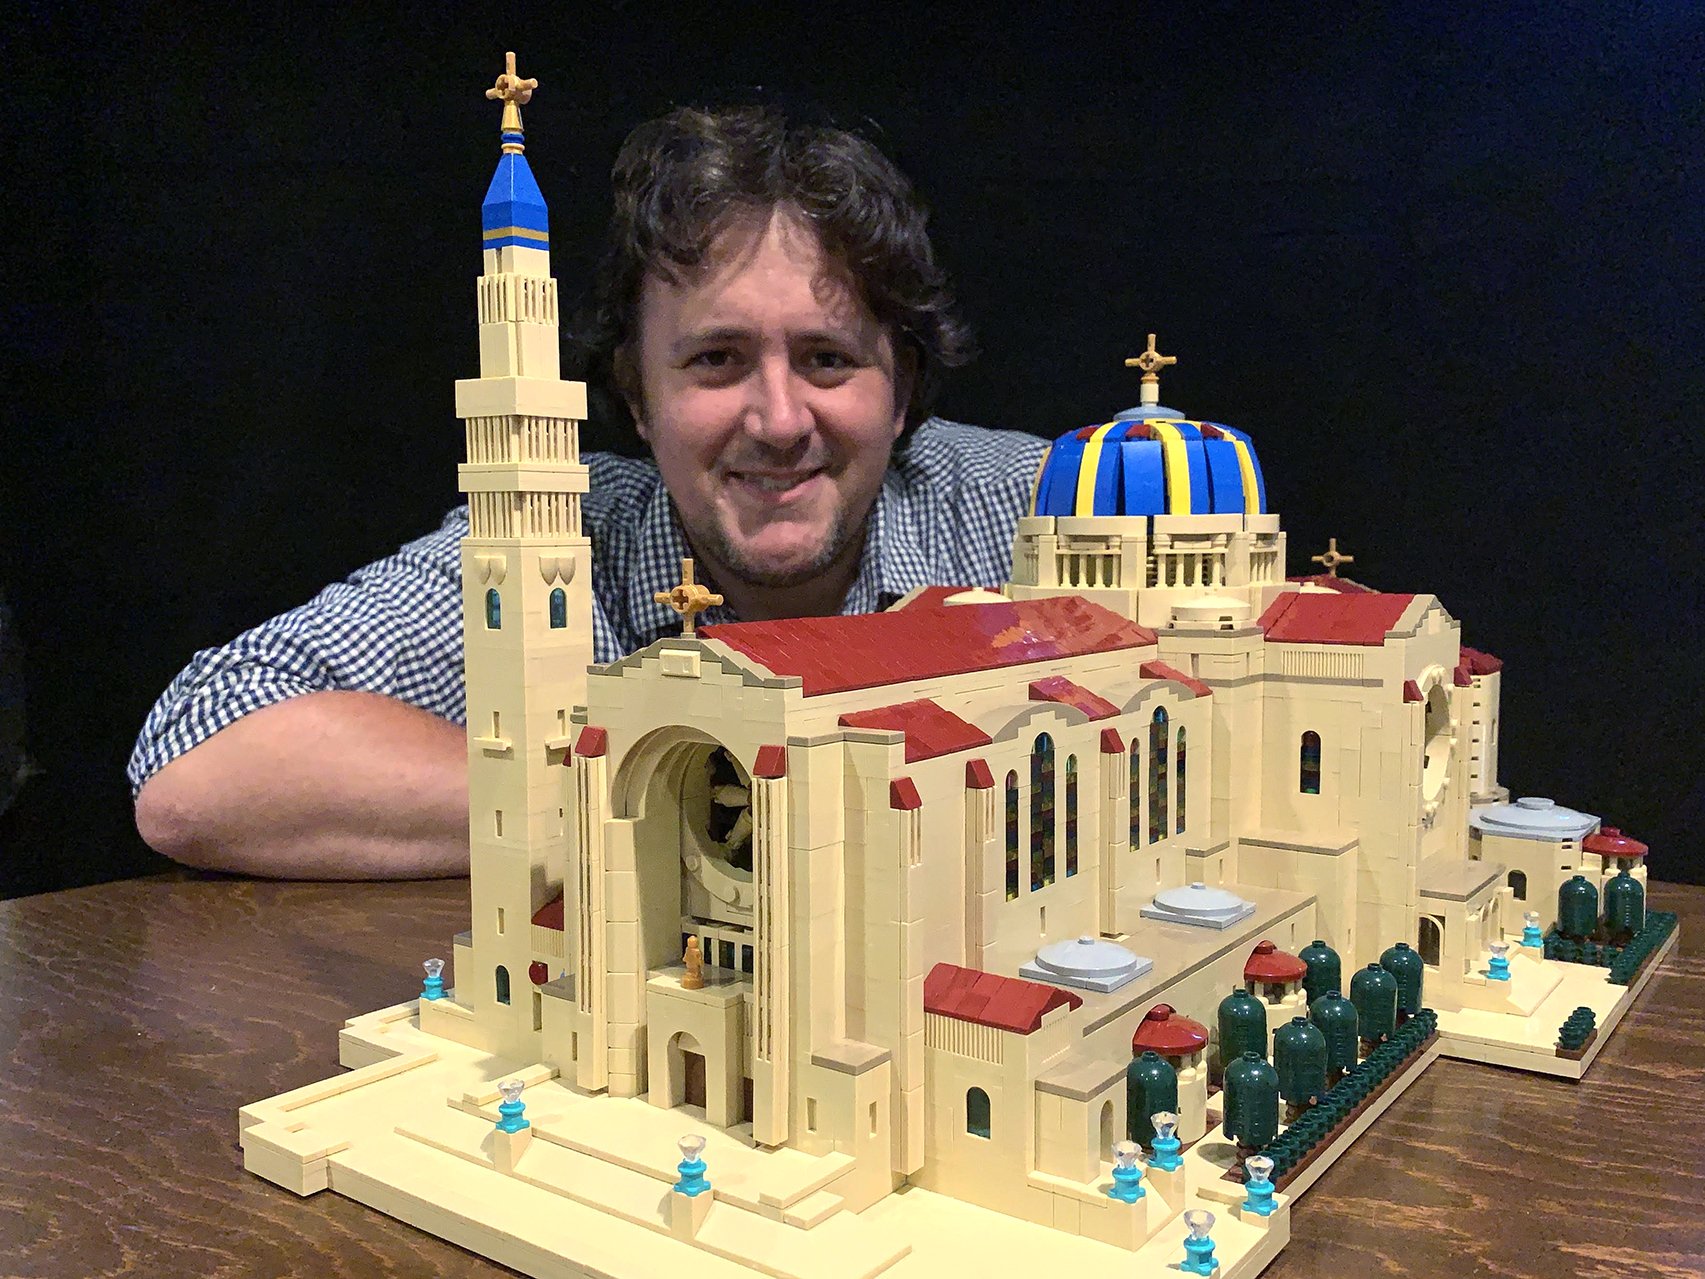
[(1532, 817)]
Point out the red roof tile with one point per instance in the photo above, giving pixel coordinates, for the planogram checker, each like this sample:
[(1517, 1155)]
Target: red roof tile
[(550, 914), (903, 794), (1343, 585), (977, 775), (1057, 688), (988, 999), (1607, 841), (1111, 742), (1299, 617), (929, 730), (592, 742), (1411, 691), (771, 762), (1479, 663), (1268, 963), (836, 654), (1169, 1033), (1160, 670)]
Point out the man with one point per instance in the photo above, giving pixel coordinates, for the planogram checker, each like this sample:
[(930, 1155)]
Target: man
[(769, 312)]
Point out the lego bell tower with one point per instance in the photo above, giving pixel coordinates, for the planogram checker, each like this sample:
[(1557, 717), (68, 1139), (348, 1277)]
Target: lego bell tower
[(526, 593)]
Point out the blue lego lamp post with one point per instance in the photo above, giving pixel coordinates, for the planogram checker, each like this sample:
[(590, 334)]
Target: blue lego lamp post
[(1530, 934), (511, 1107), (1198, 1247), (433, 986), (692, 1166), (1166, 1144), (1127, 1173), (1258, 1186), (1498, 968)]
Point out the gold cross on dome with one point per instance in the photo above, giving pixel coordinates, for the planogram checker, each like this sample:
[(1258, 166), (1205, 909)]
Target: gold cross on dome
[(688, 598), (1332, 558), (1151, 362), (514, 93)]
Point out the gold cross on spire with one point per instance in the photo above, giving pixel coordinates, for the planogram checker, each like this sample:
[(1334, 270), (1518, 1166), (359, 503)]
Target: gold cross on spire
[(1332, 558), (515, 93), (688, 598), (1151, 362)]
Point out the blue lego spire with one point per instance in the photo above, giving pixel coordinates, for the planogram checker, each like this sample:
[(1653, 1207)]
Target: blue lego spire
[(514, 210)]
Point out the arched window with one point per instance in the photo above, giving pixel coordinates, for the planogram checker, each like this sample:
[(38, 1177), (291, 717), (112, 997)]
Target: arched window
[(559, 609), (1136, 794), (977, 1112), (493, 611), (1181, 779), (1011, 836), (1310, 784), (1157, 776), (502, 984), (1428, 939), (1518, 884), (1042, 851), (1071, 814)]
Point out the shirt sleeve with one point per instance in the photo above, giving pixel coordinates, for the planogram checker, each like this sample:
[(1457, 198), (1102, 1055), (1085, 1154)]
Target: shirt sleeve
[(394, 627)]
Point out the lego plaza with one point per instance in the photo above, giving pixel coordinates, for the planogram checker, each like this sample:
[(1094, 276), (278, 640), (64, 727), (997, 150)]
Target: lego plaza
[(1074, 923)]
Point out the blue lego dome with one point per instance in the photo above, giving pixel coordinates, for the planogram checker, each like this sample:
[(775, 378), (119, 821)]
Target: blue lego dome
[(1151, 463)]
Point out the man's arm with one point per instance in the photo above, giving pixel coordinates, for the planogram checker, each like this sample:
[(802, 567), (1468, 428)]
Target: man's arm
[(326, 742), (330, 785)]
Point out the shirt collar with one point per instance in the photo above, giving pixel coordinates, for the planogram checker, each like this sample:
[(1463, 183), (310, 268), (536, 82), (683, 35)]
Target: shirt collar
[(892, 563)]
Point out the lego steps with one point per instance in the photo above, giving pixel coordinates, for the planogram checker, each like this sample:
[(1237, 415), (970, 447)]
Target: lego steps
[(812, 1239)]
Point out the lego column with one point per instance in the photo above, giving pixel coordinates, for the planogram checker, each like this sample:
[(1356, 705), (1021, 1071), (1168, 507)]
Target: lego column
[(526, 591), (772, 963)]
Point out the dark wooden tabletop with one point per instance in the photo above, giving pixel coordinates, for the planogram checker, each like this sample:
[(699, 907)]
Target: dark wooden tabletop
[(135, 1018)]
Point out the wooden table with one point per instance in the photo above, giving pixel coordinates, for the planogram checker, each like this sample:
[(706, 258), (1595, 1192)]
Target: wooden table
[(136, 1018)]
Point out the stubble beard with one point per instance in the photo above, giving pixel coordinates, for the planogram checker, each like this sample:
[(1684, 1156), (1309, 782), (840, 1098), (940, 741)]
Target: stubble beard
[(716, 545)]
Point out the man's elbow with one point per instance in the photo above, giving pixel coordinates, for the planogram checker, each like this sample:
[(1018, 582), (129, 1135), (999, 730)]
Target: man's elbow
[(172, 823)]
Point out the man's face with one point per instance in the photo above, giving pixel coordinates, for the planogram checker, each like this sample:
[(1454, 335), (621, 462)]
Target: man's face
[(768, 394)]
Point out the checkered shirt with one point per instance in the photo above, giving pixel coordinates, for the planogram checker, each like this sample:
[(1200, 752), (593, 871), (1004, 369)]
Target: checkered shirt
[(944, 516)]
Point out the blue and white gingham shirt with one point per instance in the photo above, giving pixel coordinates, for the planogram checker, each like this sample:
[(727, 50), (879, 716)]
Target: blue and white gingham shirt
[(945, 516)]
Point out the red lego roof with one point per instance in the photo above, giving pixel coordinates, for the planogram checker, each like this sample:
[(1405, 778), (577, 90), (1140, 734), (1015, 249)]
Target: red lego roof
[(592, 742), (1111, 742), (1057, 688), (1608, 841), (903, 794), (1169, 1033), (1297, 617), (977, 775), (929, 730), (1268, 963), (866, 650), (1479, 663), (1341, 584), (1160, 670), (771, 762), (550, 914), (988, 999)]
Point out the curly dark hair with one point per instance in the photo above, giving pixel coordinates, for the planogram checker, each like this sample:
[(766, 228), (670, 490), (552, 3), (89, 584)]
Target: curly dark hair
[(683, 178)]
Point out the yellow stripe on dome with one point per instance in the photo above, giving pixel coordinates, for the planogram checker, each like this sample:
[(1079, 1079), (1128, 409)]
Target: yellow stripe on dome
[(1246, 466), (1177, 466), (1087, 470)]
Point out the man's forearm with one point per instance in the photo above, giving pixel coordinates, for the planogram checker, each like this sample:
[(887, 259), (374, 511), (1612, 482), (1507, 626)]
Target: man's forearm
[(336, 785)]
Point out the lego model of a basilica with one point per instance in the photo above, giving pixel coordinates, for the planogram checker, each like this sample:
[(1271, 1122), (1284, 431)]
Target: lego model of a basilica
[(906, 891)]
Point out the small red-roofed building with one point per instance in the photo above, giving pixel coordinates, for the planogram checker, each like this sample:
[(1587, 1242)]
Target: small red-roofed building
[(1183, 1041), (1275, 978)]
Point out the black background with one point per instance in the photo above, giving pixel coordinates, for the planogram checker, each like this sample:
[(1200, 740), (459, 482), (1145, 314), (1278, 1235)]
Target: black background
[(1444, 265)]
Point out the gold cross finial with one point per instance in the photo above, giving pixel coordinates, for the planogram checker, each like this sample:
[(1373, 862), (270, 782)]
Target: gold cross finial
[(514, 92), (1151, 362), (688, 598), (1332, 558)]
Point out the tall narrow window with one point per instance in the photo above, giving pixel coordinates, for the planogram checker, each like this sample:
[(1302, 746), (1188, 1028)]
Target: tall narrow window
[(1181, 780), (493, 610), (1071, 814), (1011, 836), (1042, 850), (1310, 784), (1136, 794), (559, 609), (502, 984), (1157, 775), (977, 1112)]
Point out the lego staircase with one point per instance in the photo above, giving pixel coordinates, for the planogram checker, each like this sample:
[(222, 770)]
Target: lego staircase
[(411, 1131)]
